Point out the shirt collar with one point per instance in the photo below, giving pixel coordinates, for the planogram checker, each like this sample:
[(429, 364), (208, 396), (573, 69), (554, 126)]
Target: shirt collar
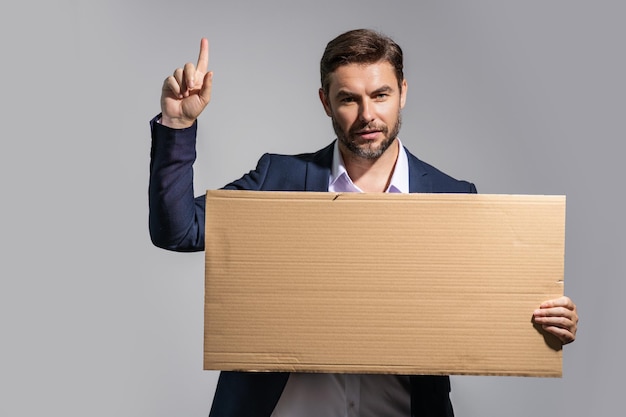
[(340, 181)]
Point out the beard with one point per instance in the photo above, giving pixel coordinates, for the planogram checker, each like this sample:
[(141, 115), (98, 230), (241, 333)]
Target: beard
[(368, 150)]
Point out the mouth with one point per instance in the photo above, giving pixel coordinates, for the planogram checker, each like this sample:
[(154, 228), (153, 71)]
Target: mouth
[(368, 134)]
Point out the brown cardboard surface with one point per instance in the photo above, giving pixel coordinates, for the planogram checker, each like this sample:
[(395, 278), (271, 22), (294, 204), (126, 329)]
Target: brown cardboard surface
[(381, 283)]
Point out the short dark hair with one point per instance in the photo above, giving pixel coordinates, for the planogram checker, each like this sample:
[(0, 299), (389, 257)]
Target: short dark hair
[(360, 46)]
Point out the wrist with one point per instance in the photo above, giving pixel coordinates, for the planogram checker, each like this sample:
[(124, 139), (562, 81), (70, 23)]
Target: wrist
[(175, 123)]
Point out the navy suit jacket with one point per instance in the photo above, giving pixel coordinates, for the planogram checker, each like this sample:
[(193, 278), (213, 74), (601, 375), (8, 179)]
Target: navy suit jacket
[(177, 223)]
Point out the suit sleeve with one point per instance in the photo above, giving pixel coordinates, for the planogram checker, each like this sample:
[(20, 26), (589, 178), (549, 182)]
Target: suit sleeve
[(176, 218)]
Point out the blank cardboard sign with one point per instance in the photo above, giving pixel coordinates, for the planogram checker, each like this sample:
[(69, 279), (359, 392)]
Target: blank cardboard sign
[(381, 283)]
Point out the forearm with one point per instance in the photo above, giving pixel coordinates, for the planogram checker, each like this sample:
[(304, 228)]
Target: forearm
[(176, 218)]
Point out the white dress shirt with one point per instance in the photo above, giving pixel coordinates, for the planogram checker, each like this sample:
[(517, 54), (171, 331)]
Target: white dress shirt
[(349, 395)]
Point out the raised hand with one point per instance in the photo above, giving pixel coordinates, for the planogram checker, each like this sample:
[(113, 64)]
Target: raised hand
[(186, 93)]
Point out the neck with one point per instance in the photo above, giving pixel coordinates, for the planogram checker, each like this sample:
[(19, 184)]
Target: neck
[(371, 175)]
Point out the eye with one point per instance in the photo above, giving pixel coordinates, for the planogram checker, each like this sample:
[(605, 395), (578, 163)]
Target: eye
[(347, 99), (382, 96)]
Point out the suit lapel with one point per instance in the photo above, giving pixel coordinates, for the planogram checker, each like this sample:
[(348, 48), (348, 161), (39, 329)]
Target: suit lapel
[(419, 182), (318, 169)]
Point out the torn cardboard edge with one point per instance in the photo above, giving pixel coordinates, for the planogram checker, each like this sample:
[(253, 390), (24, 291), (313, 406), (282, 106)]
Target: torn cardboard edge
[(381, 283)]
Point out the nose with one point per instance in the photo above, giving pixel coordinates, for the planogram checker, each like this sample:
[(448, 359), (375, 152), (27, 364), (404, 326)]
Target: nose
[(365, 112)]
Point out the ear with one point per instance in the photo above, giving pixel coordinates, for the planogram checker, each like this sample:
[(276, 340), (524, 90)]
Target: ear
[(405, 86), (325, 102)]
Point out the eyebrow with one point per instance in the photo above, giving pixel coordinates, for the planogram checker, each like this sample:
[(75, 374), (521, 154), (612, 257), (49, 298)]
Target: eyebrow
[(345, 93), (383, 89)]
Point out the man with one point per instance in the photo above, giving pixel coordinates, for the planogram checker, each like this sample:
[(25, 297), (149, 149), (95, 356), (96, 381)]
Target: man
[(363, 91)]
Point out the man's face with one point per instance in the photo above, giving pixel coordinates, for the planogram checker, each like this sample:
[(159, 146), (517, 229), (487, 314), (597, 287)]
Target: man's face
[(364, 103)]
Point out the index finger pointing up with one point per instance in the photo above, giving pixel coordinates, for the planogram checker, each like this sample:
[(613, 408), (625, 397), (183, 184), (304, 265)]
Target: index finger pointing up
[(203, 56)]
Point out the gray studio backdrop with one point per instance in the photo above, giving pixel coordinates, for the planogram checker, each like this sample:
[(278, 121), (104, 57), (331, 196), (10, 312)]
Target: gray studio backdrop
[(517, 96)]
